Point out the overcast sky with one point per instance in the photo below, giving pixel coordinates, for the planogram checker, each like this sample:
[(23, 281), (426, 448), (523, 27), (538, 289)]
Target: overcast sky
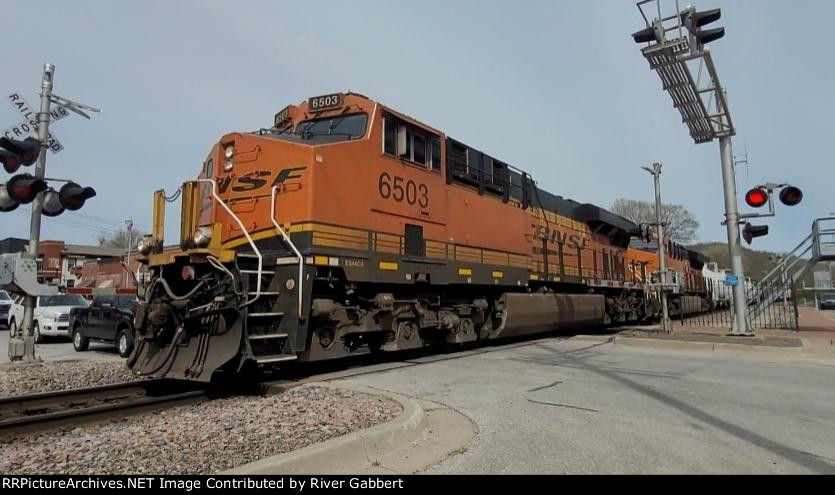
[(556, 88)]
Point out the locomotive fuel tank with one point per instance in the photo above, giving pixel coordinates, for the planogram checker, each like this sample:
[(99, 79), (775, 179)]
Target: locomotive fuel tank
[(524, 314)]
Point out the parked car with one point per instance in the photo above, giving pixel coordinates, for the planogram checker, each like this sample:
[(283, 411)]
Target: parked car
[(827, 301), (6, 303), (108, 319), (52, 315)]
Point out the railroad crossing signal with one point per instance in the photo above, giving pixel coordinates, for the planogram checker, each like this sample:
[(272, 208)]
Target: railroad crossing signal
[(16, 153), (757, 197), (71, 197), (764, 195), (21, 189), (26, 188), (791, 196), (694, 21), (750, 232)]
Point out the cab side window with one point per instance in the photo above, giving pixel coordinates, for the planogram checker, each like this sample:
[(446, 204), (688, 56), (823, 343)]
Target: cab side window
[(409, 143)]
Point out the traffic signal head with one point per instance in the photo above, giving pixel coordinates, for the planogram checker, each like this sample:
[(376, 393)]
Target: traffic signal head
[(6, 201), (651, 34), (16, 153), (24, 188), (791, 196), (756, 197), (52, 206), (694, 21), (751, 231), (72, 196)]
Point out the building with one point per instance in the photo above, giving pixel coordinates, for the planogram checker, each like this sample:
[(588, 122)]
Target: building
[(62, 264), (13, 245), (111, 274)]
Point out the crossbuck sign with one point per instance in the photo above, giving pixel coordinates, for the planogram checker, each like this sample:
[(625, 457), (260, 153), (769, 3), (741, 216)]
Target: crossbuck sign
[(29, 125)]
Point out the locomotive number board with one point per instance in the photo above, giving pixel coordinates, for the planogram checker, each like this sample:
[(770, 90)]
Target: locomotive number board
[(318, 103), (282, 117)]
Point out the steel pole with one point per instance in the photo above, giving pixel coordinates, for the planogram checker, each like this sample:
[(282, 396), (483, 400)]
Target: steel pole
[(26, 352), (130, 241), (662, 258), (740, 323)]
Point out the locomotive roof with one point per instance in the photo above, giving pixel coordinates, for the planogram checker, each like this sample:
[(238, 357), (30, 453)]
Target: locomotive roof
[(619, 229)]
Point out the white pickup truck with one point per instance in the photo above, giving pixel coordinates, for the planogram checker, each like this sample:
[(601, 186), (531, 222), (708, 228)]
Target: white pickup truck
[(52, 315)]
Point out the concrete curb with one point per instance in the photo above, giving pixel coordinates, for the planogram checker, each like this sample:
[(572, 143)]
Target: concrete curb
[(348, 453), (806, 350)]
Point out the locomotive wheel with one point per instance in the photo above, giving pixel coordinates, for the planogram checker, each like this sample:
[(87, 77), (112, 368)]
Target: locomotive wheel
[(324, 344), (406, 337)]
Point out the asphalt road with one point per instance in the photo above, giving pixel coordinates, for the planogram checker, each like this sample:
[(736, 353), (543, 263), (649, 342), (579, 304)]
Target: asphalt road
[(55, 349), (560, 406)]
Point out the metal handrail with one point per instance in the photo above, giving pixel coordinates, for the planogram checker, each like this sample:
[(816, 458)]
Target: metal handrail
[(788, 270), (246, 234), (290, 243)]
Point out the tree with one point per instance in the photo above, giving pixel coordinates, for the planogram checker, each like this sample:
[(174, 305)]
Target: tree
[(120, 238), (680, 224)]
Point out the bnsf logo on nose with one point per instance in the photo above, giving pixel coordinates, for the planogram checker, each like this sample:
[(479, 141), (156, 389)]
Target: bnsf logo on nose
[(258, 179)]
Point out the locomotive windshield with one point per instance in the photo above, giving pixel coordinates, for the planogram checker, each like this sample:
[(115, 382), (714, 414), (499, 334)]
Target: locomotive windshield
[(344, 126)]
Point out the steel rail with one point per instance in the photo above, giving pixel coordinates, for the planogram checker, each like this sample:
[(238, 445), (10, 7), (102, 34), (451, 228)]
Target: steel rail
[(49, 410)]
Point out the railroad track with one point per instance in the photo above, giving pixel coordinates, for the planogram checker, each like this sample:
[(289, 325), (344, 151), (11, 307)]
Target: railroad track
[(49, 410)]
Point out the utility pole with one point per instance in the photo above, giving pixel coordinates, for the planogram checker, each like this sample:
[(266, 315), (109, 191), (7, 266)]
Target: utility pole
[(655, 171), (28, 349)]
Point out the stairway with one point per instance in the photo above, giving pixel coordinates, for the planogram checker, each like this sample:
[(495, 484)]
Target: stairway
[(262, 318), (778, 283)]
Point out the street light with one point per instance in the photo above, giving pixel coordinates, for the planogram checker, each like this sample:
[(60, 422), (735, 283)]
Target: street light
[(678, 42), (655, 171)]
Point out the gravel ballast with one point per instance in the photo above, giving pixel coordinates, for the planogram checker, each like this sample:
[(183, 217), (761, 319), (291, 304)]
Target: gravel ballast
[(198, 439), (46, 377)]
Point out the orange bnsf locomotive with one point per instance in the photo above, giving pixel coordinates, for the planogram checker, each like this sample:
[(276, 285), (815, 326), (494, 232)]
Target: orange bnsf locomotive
[(348, 224)]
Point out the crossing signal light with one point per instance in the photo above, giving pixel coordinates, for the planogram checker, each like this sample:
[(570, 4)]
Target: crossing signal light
[(24, 188), (791, 196), (756, 197), (52, 206), (751, 231), (6, 201), (72, 196), (652, 34), (16, 153), (694, 21)]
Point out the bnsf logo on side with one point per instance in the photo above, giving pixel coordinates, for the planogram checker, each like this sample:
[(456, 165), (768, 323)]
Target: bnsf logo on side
[(258, 179), (554, 235)]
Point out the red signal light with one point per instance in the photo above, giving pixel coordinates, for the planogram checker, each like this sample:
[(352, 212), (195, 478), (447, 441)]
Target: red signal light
[(21, 191), (23, 188), (756, 197), (791, 196)]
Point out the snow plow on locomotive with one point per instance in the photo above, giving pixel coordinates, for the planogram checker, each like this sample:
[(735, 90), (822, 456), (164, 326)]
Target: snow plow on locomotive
[(348, 224)]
